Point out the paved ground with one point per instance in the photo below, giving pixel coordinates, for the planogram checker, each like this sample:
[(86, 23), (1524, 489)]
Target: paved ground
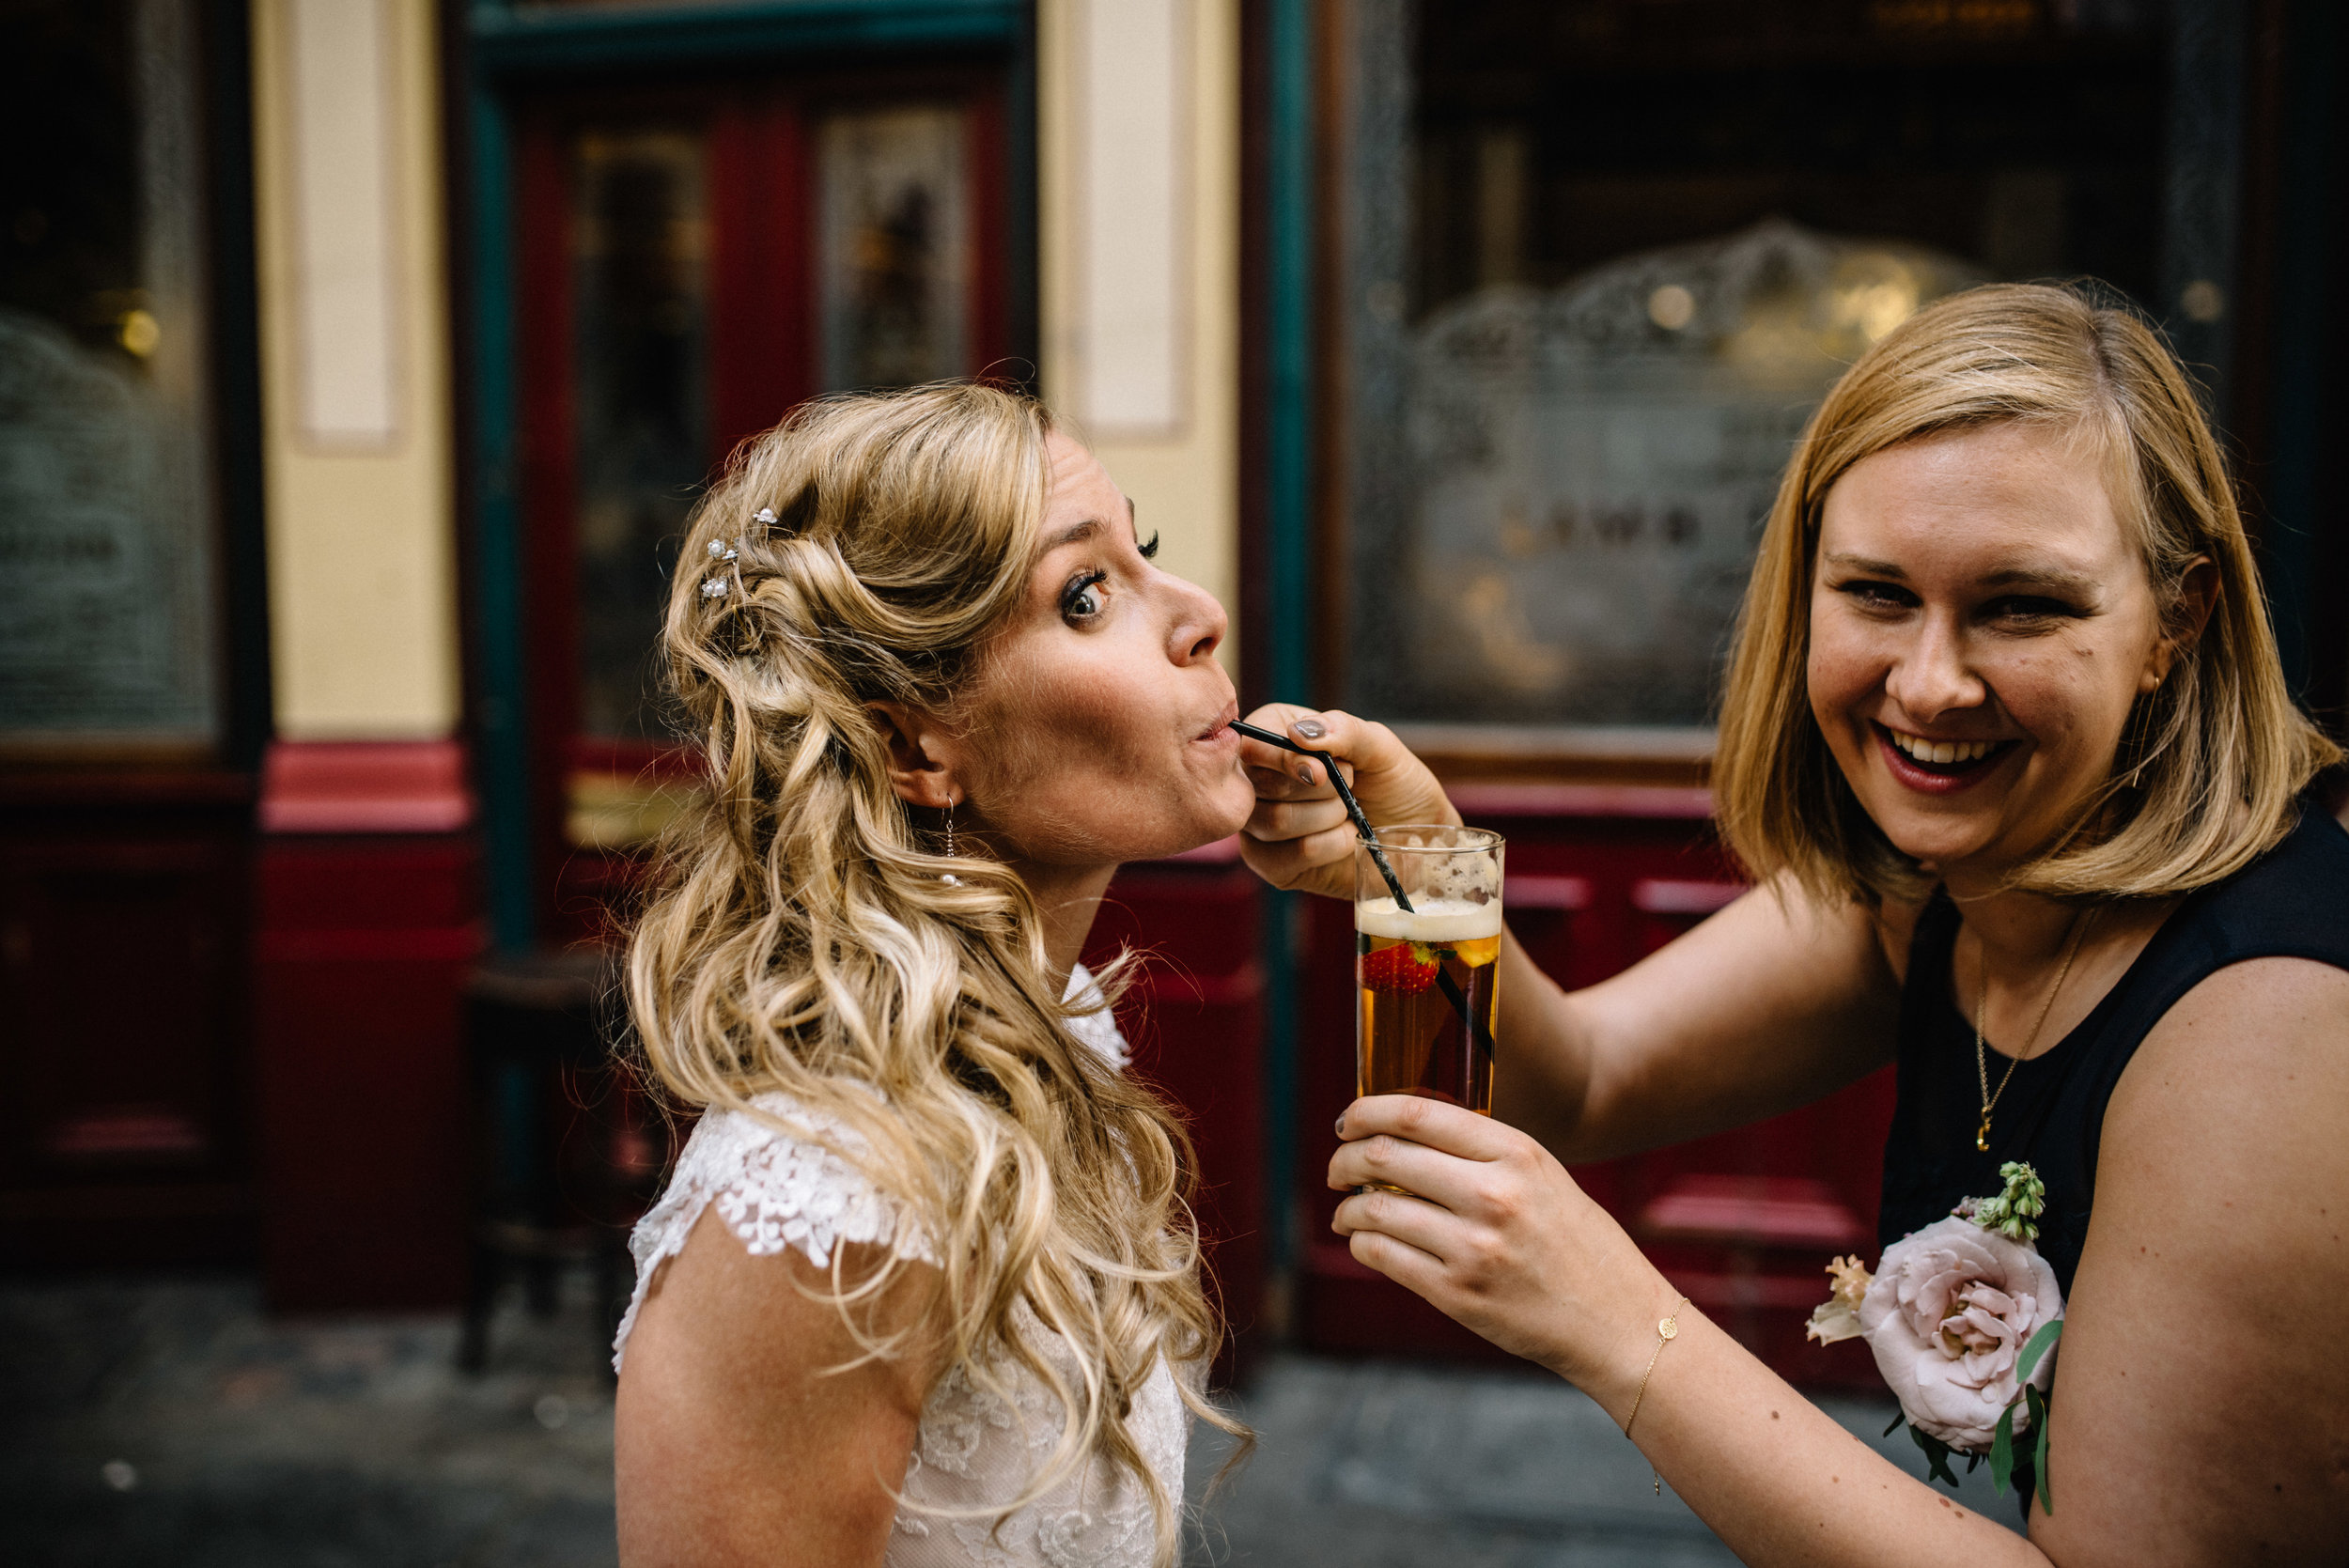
[(171, 1423)]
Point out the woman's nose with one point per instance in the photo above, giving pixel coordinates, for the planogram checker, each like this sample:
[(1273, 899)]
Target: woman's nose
[(1199, 627), (1934, 676)]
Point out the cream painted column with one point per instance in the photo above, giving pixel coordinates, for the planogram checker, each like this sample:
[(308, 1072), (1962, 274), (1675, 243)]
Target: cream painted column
[(354, 331), (1139, 152)]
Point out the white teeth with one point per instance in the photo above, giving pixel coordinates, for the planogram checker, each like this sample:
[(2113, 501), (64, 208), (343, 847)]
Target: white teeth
[(1942, 752)]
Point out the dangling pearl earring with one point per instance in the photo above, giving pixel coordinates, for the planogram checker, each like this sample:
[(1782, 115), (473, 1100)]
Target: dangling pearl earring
[(950, 878)]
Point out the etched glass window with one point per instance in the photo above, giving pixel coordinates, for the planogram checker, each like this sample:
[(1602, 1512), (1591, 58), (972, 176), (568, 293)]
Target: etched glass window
[(1591, 464), (1597, 261), (108, 617), (639, 242), (894, 247)]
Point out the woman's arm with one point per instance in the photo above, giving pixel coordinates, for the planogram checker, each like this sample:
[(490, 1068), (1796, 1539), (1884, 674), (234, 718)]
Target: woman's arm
[(737, 1444), (2201, 1404), (1493, 1231), (1773, 1002), (2201, 1408)]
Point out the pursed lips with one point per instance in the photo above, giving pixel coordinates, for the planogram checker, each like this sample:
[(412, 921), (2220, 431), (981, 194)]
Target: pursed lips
[(1222, 727)]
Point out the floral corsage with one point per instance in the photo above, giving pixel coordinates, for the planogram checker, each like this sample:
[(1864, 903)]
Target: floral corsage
[(1963, 1317)]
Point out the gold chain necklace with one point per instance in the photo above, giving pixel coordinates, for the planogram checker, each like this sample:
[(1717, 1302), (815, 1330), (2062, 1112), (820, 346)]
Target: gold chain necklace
[(2079, 933)]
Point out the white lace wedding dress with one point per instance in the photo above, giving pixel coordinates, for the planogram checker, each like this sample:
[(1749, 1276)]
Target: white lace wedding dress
[(972, 1450)]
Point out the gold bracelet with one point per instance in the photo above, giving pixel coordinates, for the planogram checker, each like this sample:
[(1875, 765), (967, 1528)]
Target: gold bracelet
[(1666, 1330)]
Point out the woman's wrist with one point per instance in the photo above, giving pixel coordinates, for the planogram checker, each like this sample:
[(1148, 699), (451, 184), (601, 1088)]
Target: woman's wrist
[(1606, 1359)]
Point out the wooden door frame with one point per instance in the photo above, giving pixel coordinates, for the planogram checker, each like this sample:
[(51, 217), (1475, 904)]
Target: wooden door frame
[(501, 55)]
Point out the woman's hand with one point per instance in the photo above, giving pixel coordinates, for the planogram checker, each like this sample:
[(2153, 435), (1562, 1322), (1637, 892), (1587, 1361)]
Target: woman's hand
[(1298, 835), (1491, 1230)]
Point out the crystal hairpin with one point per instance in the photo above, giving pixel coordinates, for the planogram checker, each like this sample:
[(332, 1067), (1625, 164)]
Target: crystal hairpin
[(726, 555)]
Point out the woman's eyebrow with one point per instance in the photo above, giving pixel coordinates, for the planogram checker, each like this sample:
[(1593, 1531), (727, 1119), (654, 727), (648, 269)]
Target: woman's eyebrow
[(1075, 532), (2061, 579), (1862, 563)]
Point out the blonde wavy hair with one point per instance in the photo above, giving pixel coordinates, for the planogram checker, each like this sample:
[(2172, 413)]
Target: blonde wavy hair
[(2210, 764), (804, 936)]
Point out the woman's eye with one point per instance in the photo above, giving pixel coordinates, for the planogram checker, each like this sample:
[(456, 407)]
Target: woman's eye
[(1877, 595), (1081, 600), (2021, 609)]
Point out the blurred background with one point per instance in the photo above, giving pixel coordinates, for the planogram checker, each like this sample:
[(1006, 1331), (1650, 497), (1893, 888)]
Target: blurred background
[(361, 361)]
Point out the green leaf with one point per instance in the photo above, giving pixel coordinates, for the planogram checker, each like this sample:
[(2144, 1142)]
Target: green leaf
[(1896, 1424), (2039, 1417), (1936, 1455), (2039, 1344), (2002, 1452)]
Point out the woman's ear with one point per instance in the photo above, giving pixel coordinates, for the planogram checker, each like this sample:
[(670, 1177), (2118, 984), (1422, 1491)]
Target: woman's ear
[(2198, 596), (920, 753)]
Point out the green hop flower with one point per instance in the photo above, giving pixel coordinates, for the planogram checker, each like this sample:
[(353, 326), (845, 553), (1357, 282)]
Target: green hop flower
[(2012, 1212)]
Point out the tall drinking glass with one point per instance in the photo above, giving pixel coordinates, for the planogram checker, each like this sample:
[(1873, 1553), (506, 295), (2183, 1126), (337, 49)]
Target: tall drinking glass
[(1425, 976)]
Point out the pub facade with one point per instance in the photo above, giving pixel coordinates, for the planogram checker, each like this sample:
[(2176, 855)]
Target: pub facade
[(362, 360)]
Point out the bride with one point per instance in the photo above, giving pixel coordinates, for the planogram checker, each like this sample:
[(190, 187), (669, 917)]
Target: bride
[(923, 1289)]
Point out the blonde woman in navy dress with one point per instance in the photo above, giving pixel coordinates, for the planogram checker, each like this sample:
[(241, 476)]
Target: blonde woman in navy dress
[(2008, 749)]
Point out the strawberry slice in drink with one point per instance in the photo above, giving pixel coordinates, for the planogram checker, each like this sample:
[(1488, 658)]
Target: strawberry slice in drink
[(1398, 971)]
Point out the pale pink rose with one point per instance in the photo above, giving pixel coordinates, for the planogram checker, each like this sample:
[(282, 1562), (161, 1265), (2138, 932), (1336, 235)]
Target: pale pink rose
[(1948, 1314)]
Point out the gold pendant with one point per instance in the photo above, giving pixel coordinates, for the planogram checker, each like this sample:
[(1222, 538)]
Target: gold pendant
[(1982, 1135)]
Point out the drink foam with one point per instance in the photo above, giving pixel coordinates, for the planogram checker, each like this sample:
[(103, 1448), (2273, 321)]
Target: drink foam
[(1434, 920)]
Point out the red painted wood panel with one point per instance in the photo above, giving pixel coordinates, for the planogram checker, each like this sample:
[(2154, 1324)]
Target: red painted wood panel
[(124, 1130), (761, 356), (1195, 1021), (362, 947), (989, 291)]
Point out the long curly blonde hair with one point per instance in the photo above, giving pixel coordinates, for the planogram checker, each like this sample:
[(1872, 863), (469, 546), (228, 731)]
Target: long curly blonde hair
[(804, 934)]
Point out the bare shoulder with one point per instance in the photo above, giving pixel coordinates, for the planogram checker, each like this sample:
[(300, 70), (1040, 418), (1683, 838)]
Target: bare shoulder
[(2201, 1398), (752, 1423), (2248, 1077)]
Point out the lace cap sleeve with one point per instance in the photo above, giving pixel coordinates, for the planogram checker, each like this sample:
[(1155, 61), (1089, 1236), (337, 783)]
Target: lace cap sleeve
[(774, 1191)]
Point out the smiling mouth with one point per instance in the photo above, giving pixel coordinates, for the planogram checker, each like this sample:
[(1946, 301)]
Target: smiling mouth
[(1943, 759)]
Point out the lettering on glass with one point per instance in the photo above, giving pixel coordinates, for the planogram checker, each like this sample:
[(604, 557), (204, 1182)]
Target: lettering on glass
[(1592, 465), (894, 247)]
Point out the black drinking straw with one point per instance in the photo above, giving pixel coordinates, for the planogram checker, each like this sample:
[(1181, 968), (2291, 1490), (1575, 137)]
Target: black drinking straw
[(1346, 798), (1370, 841)]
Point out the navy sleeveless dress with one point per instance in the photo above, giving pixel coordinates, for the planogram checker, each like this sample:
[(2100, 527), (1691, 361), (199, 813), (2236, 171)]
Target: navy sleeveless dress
[(2293, 902)]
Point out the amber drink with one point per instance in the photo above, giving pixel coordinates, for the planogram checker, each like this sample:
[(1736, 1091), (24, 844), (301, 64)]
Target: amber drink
[(1426, 975)]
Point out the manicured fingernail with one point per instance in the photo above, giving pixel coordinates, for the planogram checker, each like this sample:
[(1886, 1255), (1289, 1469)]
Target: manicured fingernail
[(1312, 729), (1341, 1127), (1305, 772)]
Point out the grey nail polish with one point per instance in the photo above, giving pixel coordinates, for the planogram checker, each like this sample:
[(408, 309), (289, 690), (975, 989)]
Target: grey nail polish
[(1341, 1127), (1305, 772), (1312, 729)]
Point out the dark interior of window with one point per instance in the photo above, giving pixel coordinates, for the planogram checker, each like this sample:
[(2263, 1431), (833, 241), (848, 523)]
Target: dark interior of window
[(2027, 138)]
